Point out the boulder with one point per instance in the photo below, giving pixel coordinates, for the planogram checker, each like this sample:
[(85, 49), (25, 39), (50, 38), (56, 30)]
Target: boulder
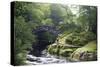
[(86, 53)]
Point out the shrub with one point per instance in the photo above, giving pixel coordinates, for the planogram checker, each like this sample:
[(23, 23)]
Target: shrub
[(80, 39)]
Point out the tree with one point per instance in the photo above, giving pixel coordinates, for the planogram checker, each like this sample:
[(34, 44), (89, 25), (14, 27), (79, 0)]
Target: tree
[(23, 40), (88, 18)]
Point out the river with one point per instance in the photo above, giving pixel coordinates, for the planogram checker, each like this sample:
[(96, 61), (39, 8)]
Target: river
[(45, 58)]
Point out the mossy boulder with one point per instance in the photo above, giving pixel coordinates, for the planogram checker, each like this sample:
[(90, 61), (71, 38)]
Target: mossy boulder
[(52, 49), (65, 52), (60, 47), (73, 45), (86, 53), (80, 39), (60, 50)]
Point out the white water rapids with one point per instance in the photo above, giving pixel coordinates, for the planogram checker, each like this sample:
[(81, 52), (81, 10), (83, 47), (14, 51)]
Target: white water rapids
[(44, 59)]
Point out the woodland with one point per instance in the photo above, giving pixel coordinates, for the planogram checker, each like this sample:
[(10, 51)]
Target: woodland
[(59, 30)]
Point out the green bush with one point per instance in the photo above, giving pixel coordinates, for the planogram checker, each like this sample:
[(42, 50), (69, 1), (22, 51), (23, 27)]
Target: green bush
[(19, 59), (23, 40), (80, 39)]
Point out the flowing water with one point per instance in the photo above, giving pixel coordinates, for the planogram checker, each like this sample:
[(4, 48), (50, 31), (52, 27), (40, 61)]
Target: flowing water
[(45, 58)]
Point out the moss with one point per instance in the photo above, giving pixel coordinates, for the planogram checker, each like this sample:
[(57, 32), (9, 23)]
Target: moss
[(60, 47), (54, 49), (91, 46), (65, 52), (86, 53), (80, 39), (60, 50)]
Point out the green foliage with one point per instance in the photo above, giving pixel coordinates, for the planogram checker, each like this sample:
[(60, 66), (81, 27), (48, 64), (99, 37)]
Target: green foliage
[(66, 52), (80, 39), (75, 29), (19, 59), (60, 50), (89, 52), (88, 18), (75, 38), (47, 22), (57, 12), (23, 40), (52, 50)]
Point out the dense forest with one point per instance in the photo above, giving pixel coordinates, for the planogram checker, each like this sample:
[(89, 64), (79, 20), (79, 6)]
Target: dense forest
[(68, 31)]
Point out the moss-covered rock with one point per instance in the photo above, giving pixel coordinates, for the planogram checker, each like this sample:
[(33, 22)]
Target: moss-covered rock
[(60, 50), (74, 45), (86, 53), (60, 47), (80, 39), (65, 52)]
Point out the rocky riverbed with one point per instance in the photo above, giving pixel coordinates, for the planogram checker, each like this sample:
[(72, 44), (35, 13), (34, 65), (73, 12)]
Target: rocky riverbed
[(45, 58), (33, 60)]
